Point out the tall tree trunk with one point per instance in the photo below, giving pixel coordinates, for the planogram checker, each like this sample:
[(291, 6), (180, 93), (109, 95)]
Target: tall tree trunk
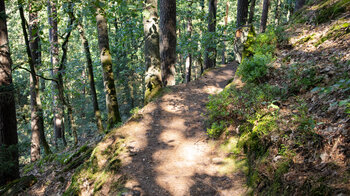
[(251, 11), (210, 53), (277, 12), (242, 12), (223, 58), (8, 123), (108, 78), (34, 56), (167, 24), (61, 71), (91, 77), (189, 54), (264, 15), (153, 77), (57, 103), (299, 4)]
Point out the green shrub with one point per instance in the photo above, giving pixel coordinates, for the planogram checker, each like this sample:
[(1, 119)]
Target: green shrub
[(254, 69), (302, 78), (328, 12)]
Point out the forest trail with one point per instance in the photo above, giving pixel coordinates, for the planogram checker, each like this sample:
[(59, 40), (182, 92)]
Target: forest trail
[(169, 151)]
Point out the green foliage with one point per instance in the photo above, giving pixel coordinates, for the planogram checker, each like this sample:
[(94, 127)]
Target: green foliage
[(302, 77), (255, 68), (329, 10), (264, 44)]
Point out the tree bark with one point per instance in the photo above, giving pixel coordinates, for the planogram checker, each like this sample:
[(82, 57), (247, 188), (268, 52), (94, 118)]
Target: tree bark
[(167, 24), (57, 103), (8, 123), (91, 77), (251, 11), (189, 54), (108, 78), (210, 53), (34, 56), (223, 58), (264, 15), (242, 12), (277, 12), (299, 4), (153, 77)]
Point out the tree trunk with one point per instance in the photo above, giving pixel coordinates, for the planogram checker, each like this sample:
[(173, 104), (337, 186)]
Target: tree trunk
[(189, 55), (167, 24), (251, 11), (108, 78), (91, 77), (242, 12), (8, 123), (264, 15), (223, 58), (210, 53), (277, 12), (34, 55), (299, 4), (153, 77), (57, 103)]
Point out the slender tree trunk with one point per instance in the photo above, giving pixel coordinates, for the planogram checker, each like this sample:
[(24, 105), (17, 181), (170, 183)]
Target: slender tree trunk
[(251, 11), (57, 103), (108, 78), (8, 128), (189, 54), (153, 77), (91, 77), (167, 24), (35, 118), (299, 4), (223, 58), (61, 72), (277, 12), (264, 15), (200, 56), (34, 55), (242, 12), (210, 54)]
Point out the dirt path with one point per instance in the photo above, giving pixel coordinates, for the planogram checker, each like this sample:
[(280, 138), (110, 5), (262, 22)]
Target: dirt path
[(170, 153)]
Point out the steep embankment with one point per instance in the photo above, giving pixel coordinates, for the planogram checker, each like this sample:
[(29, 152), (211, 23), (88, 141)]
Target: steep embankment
[(163, 150), (289, 115)]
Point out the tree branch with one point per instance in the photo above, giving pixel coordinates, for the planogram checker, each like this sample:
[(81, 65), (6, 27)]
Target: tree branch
[(42, 77)]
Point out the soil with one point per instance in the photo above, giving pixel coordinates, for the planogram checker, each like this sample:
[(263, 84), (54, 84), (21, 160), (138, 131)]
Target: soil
[(170, 152)]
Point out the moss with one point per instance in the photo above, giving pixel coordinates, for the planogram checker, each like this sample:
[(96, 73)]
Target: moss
[(304, 40), (328, 11), (82, 149), (153, 88), (17, 186), (29, 167), (78, 161), (335, 31)]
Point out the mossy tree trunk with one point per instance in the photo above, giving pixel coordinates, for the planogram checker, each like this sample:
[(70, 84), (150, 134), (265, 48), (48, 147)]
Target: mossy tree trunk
[(167, 24), (8, 123), (91, 77), (153, 77), (264, 16), (210, 51), (108, 78)]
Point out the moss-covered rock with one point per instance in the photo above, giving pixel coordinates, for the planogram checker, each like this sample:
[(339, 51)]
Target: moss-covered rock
[(17, 186)]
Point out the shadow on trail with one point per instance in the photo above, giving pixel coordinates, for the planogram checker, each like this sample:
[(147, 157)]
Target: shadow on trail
[(175, 154)]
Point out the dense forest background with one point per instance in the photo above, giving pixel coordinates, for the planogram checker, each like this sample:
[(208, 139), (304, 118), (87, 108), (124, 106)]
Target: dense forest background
[(82, 68)]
